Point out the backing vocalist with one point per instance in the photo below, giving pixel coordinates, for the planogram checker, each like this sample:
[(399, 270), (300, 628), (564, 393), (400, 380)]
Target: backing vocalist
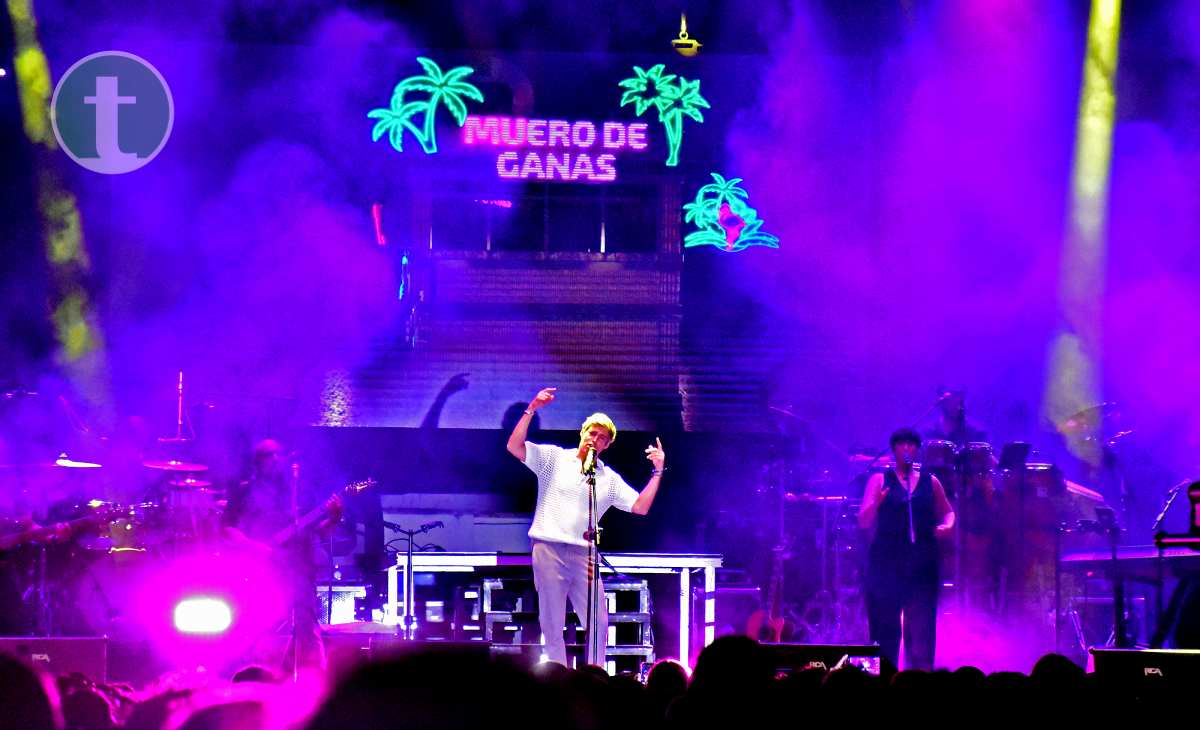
[(905, 511)]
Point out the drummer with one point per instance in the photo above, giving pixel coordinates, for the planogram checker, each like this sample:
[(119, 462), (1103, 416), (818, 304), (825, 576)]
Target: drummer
[(953, 424), (957, 452)]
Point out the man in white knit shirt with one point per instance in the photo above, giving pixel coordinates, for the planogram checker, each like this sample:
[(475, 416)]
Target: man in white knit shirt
[(560, 549)]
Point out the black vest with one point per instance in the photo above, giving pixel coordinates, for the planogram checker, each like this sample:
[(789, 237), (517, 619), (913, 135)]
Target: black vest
[(897, 552)]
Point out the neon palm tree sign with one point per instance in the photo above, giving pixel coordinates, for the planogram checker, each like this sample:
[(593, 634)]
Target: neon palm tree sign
[(449, 89), (724, 219), (674, 96)]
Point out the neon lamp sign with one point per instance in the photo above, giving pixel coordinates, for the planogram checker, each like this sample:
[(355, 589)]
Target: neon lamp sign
[(449, 89), (554, 149), (674, 96), (723, 219)]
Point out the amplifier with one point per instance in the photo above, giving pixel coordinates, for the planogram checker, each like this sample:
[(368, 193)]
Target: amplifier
[(1147, 673), (64, 655), (795, 657)]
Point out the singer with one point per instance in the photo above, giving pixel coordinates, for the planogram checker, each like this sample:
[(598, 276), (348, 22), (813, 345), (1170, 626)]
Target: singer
[(905, 512), (560, 550)]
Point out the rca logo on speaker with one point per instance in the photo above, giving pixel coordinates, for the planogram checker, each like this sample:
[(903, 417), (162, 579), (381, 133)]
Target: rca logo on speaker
[(1152, 672)]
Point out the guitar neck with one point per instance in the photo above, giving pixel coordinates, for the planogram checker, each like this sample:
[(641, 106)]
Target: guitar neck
[(35, 534), (306, 521), (310, 518)]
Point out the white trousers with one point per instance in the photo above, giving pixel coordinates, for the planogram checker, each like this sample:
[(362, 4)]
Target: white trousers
[(560, 572)]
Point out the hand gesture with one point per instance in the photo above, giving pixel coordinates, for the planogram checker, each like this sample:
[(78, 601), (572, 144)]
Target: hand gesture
[(457, 383), (334, 508), (543, 398), (943, 530), (656, 455)]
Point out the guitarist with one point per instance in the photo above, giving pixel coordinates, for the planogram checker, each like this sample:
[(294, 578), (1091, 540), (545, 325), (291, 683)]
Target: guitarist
[(905, 512), (261, 507)]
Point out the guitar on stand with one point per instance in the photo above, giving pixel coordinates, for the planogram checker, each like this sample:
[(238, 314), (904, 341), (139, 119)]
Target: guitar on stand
[(769, 625)]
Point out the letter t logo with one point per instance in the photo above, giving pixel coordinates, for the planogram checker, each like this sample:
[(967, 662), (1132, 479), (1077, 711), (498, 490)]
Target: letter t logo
[(107, 100)]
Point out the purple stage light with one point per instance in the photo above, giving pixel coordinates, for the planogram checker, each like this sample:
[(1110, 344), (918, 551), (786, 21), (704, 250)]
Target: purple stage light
[(208, 608), (202, 615)]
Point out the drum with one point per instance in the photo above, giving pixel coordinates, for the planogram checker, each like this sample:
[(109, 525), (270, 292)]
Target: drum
[(133, 528), (102, 592), (194, 511), (939, 454), (1031, 498), (1041, 480), (977, 458)]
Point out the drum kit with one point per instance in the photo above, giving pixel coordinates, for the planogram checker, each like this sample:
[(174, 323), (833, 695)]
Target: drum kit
[(74, 532), (83, 541)]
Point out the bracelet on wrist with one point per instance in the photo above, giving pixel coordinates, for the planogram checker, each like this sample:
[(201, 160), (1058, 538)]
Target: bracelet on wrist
[(528, 412)]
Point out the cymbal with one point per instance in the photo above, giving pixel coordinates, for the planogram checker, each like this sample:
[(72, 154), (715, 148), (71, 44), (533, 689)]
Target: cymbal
[(1088, 421), (861, 460), (1079, 490), (190, 482), (64, 461), (795, 497), (785, 412), (174, 465)]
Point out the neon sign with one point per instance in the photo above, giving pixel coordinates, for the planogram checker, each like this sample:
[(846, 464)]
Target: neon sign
[(674, 96), (449, 89), (554, 149), (724, 219)]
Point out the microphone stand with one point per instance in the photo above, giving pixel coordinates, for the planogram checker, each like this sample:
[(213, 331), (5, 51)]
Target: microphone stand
[(866, 469), (1169, 500), (408, 624), (1156, 530), (295, 484), (593, 646)]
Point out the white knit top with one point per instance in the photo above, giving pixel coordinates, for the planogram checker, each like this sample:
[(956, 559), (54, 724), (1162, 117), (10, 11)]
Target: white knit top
[(562, 502)]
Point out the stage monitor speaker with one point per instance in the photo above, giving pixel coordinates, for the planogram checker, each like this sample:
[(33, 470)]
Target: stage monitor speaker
[(391, 647), (58, 656), (1147, 673), (796, 657)]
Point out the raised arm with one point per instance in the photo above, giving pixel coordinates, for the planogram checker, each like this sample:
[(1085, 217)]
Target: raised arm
[(658, 458), (516, 440)]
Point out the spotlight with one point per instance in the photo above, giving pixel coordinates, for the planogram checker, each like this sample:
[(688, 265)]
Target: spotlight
[(683, 45), (202, 616), (3, 72)]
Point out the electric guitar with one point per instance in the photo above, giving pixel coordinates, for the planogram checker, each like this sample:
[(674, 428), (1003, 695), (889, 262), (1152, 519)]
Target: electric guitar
[(768, 625), (311, 517), (60, 531)]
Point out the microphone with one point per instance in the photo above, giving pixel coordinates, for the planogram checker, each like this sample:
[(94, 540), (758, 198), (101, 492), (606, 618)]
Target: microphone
[(589, 461), (396, 527)]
